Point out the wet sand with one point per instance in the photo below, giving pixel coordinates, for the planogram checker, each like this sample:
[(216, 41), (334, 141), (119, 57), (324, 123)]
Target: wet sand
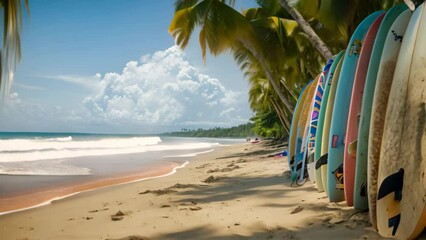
[(40, 198)]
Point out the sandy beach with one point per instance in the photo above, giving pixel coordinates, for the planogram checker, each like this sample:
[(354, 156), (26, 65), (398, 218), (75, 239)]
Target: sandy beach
[(234, 192)]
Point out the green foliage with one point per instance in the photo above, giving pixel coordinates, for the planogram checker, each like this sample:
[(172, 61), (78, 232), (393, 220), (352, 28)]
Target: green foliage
[(267, 124), (241, 131), (274, 53)]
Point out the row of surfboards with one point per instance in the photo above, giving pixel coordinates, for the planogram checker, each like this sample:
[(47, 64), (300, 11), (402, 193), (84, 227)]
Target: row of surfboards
[(359, 128)]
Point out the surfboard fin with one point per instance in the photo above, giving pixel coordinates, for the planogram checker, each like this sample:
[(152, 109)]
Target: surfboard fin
[(338, 177), (393, 183), (321, 161)]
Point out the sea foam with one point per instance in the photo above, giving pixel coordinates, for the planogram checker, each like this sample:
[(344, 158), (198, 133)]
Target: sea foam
[(18, 150)]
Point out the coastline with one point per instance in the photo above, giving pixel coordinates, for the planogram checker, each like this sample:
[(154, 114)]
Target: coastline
[(38, 199), (234, 192)]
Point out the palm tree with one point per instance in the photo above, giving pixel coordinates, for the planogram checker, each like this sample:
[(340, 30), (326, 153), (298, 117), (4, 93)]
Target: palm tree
[(281, 49), (339, 17), (10, 53), (222, 28), (310, 33)]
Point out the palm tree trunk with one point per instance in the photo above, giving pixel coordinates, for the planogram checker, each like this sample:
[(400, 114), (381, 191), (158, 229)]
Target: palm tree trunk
[(312, 36), (268, 73), (281, 115), (288, 90)]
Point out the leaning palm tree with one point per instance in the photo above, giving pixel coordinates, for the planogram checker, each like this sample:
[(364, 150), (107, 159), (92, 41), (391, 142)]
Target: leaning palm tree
[(222, 28), (10, 52), (310, 33), (261, 96), (339, 17)]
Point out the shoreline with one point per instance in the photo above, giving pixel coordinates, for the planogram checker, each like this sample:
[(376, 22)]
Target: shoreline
[(38, 199), (234, 192)]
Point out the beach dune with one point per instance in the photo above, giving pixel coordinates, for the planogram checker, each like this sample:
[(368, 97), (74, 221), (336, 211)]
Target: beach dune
[(234, 192)]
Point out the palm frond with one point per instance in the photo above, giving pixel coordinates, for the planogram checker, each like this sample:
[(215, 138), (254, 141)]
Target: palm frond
[(11, 54), (182, 4)]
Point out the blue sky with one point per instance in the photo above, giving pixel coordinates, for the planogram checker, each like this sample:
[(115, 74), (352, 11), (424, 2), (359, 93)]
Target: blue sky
[(110, 66)]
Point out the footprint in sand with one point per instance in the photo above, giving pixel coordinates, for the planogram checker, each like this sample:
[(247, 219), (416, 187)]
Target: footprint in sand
[(192, 203), (203, 166), (158, 192), (211, 179), (131, 238), (297, 210), (195, 208), (241, 160), (118, 216)]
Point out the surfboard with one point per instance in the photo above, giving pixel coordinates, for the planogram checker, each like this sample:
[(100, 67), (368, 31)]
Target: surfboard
[(385, 74), (294, 124), (313, 125), (349, 155), (318, 140), (327, 120), (301, 127), (401, 200), (341, 110), (310, 132), (364, 123)]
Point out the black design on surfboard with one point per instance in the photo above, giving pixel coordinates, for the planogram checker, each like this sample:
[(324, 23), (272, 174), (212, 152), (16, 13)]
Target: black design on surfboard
[(292, 160), (397, 37), (338, 176), (394, 222), (363, 190), (331, 78), (299, 166), (392, 184), (321, 161)]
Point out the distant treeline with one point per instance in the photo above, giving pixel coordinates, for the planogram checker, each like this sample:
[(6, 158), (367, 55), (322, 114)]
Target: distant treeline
[(241, 131)]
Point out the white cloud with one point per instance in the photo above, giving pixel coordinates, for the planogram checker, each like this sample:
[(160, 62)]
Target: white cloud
[(160, 92), (30, 87), (89, 82), (231, 98), (162, 88), (227, 112)]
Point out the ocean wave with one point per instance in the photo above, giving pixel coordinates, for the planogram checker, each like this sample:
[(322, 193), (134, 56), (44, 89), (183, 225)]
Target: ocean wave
[(69, 143), (26, 150), (190, 154), (60, 139), (17, 150)]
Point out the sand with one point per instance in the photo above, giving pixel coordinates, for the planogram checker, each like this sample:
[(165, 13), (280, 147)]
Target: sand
[(234, 192)]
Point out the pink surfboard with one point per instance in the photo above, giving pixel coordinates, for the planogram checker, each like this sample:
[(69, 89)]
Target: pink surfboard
[(349, 160)]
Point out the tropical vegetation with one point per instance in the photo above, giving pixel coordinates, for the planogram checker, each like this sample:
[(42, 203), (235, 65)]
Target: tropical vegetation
[(241, 131), (280, 45)]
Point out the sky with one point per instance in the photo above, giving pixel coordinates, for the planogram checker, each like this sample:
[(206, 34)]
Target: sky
[(111, 67)]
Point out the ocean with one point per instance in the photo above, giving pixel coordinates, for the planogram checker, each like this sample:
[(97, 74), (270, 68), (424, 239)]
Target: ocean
[(36, 168)]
